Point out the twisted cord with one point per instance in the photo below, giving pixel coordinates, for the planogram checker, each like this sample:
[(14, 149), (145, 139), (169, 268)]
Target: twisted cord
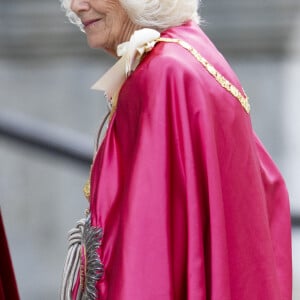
[(72, 262)]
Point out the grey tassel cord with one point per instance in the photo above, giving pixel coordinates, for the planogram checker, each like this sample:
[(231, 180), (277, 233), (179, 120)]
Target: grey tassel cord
[(72, 263), (89, 237)]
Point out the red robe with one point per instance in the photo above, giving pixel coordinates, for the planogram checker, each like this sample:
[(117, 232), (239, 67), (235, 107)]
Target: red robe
[(8, 284), (191, 205)]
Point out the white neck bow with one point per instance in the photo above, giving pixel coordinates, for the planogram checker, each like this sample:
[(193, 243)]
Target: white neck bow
[(131, 52)]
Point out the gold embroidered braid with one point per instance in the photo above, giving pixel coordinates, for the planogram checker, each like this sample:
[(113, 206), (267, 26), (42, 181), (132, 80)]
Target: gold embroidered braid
[(211, 69)]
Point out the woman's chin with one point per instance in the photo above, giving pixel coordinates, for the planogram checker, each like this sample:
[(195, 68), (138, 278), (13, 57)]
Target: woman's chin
[(94, 44), (97, 45)]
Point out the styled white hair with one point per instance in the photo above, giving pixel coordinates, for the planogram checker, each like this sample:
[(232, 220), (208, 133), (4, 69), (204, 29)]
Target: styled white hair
[(73, 18), (156, 14)]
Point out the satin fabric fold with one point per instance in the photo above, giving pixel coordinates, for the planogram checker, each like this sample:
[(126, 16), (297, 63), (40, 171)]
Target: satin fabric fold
[(191, 204)]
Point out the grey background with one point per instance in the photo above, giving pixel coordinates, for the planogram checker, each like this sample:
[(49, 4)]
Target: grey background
[(46, 70)]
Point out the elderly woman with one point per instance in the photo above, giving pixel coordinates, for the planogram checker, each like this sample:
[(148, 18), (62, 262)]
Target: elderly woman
[(185, 203)]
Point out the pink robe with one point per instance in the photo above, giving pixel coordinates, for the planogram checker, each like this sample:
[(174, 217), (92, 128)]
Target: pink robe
[(191, 205)]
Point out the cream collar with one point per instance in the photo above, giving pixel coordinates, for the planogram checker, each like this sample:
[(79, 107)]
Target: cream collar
[(131, 52)]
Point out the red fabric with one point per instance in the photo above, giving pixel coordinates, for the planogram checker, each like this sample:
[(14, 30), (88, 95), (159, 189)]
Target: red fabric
[(8, 285), (191, 204)]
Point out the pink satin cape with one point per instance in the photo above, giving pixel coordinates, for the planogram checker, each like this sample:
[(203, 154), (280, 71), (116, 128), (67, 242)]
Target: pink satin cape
[(191, 205)]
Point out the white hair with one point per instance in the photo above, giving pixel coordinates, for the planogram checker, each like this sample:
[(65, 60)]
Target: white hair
[(156, 14), (73, 18)]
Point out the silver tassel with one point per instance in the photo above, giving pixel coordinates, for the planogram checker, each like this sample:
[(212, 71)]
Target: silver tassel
[(89, 237)]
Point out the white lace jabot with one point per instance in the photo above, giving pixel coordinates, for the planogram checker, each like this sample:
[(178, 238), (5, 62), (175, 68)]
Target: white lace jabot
[(141, 41)]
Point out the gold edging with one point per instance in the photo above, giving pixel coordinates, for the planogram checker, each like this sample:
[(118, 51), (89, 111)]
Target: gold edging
[(227, 85)]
